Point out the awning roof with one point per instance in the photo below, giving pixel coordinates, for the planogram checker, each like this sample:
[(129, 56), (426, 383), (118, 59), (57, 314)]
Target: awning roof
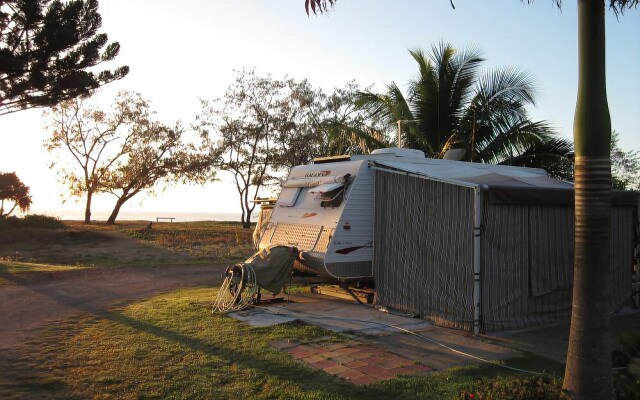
[(504, 184), (464, 171)]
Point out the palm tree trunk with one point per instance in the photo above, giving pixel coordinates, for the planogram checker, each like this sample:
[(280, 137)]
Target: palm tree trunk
[(588, 371)]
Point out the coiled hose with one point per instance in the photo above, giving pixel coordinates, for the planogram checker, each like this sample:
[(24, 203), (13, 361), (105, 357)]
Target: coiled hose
[(238, 290)]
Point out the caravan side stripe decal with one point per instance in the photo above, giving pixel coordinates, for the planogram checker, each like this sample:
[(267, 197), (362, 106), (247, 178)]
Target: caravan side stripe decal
[(348, 250)]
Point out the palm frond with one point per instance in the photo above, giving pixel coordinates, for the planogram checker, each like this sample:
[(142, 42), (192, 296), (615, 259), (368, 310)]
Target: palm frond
[(442, 90), (389, 107), (425, 68), (554, 154), (354, 139), (466, 65), (509, 139), (377, 105), (401, 106), (508, 83), (318, 6)]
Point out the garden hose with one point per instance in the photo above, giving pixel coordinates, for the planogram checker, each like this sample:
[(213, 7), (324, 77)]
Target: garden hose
[(238, 290)]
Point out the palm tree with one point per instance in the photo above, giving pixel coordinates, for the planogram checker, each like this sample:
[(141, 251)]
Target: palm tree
[(451, 105)]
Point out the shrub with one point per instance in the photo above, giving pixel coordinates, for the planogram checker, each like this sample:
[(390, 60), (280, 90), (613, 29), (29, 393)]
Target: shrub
[(31, 221), (516, 388), (627, 385)]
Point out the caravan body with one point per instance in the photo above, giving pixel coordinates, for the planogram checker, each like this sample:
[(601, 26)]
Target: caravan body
[(325, 209)]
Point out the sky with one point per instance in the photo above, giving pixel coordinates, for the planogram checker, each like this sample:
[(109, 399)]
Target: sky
[(179, 54)]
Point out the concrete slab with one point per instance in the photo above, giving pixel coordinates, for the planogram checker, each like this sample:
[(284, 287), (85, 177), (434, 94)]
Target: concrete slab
[(552, 341), (428, 348), (260, 318), (342, 315)]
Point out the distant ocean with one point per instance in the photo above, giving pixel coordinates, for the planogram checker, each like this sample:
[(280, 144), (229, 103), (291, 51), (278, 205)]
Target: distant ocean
[(145, 215)]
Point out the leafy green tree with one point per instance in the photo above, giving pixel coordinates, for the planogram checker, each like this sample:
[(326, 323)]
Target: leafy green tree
[(242, 128), (451, 105), (122, 151), (49, 50), (13, 191), (327, 124), (625, 166), (95, 139), (263, 126), (156, 154)]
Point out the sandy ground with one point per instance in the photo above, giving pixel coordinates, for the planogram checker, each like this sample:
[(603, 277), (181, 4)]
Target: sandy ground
[(25, 305)]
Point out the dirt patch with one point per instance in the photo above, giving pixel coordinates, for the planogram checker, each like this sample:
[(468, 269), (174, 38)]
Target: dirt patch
[(26, 305)]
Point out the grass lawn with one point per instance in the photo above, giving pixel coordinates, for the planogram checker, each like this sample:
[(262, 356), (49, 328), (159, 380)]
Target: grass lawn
[(171, 346), (128, 244), (223, 241)]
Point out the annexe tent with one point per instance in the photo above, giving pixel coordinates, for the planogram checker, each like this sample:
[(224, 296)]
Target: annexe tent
[(485, 247)]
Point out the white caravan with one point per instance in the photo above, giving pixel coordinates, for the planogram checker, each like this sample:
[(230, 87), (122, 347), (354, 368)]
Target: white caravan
[(325, 209)]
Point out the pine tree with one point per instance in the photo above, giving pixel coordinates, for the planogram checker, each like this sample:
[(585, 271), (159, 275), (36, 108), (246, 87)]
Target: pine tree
[(48, 51)]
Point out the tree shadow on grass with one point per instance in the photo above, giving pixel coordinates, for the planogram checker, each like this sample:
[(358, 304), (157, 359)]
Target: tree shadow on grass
[(37, 382)]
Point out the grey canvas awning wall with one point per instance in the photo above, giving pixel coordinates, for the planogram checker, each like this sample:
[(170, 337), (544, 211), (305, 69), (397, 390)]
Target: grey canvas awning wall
[(428, 243), (422, 253)]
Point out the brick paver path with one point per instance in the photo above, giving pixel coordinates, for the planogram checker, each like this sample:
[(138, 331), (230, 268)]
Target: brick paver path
[(354, 361)]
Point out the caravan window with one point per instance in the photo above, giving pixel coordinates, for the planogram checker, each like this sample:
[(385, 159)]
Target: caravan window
[(330, 194), (288, 197), (324, 191)]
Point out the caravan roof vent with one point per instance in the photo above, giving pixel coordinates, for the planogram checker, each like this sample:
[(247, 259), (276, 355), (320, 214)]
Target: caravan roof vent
[(454, 154), (400, 152)]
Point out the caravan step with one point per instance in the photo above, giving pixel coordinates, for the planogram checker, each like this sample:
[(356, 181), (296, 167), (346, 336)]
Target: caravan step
[(364, 296)]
